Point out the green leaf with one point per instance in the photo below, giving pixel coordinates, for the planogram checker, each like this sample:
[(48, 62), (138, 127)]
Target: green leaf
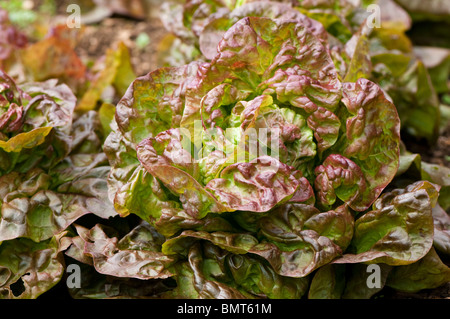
[(258, 278), (328, 282), (398, 231), (106, 114), (427, 273), (94, 285), (372, 138), (358, 48), (117, 71), (292, 249), (197, 201), (193, 283), (437, 61), (26, 140)]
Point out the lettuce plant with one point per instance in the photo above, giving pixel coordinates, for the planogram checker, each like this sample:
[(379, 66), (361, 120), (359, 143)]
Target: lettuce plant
[(257, 173), (328, 131)]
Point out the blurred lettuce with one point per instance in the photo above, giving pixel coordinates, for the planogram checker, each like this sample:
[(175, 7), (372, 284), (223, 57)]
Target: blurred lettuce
[(52, 173)]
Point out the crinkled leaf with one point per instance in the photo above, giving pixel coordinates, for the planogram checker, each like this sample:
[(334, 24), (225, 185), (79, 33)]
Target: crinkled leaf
[(87, 178), (278, 132), (238, 243), (303, 239), (154, 103), (36, 265), (372, 138), (196, 200), (325, 125), (85, 171), (339, 177), (135, 256), (293, 250), (258, 278), (398, 231), (76, 250), (94, 285), (144, 196), (29, 208), (290, 222), (51, 105), (214, 30), (255, 186), (263, 55), (122, 158), (250, 275)]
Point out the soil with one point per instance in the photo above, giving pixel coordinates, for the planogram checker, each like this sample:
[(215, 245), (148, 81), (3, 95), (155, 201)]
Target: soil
[(439, 153), (442, 292), (103, 33), (96, 39)]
